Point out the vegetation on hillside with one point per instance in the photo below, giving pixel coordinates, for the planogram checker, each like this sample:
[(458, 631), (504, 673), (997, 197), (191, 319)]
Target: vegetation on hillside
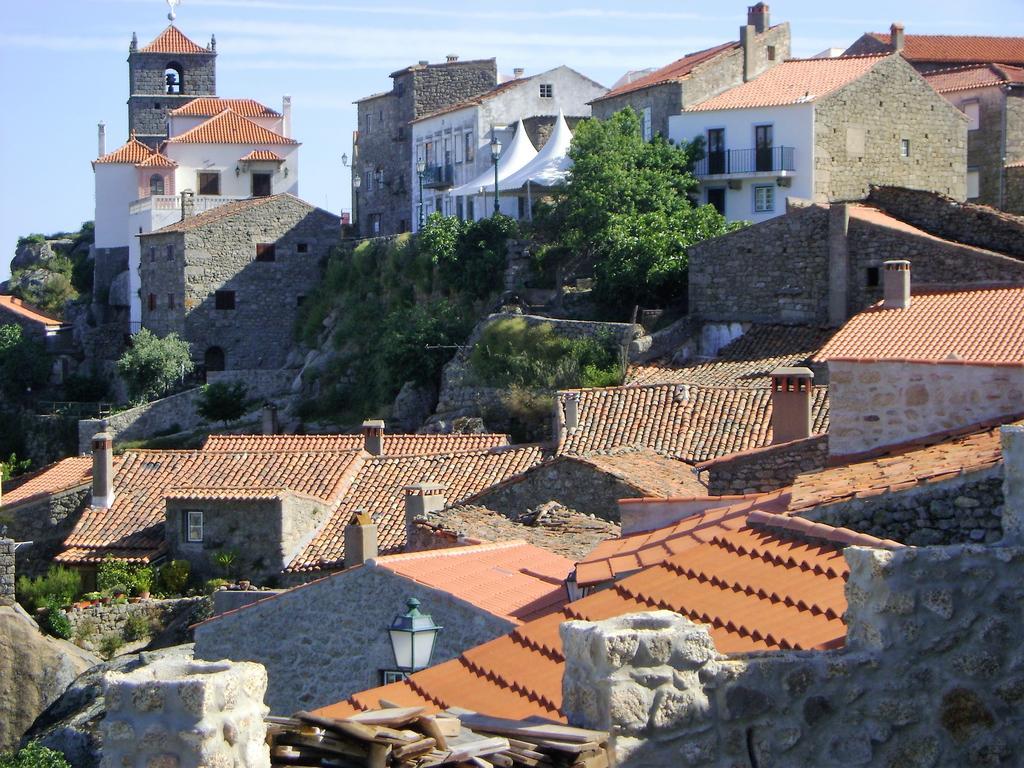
[(68, 274), (23, 363), (152, 366)]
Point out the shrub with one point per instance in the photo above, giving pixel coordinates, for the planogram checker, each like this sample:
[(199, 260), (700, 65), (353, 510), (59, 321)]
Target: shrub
[(225, 558), (55, 621), (110, 644), (137, 627), (173, 577), (213, 585), (85, 631), (35, 755), (153, 365), (223, 401), (86, 388), (59, 586), (13, 466), (143, 580), (113, 575), (528, 413), (24, 364)]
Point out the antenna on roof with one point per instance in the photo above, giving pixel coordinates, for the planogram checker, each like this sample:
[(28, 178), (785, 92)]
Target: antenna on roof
[(173, 4)]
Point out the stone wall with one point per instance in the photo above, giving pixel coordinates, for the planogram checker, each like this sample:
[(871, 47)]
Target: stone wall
[(887, 105), (46, 523), (149, 102), (963, 222), (6, 571), (875, 404), (930, 676), (90, 625), (764, 469), (1015, 189), (312, 662), (186, 714)]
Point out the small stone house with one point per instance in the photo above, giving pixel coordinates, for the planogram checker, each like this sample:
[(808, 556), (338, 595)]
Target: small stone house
[(475, 593), (230, 281), (656, 96)]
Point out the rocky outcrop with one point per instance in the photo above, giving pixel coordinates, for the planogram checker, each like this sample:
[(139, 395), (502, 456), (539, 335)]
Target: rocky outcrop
[(34, 671)]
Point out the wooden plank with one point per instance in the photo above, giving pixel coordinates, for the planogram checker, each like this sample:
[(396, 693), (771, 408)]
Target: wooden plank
[(597, 760), (479, 747), (356, 730), (530, 729), (394, 717), (378, 756), (414, 749), (430, 727)]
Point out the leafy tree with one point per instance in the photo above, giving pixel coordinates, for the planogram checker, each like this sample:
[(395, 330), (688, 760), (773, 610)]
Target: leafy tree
[(223, 401), (13, 466), (152, 365), (469, 256), (23, 362), (35, 755), (627, 209)]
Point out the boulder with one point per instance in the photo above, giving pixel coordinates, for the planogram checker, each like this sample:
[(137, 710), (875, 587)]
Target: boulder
[(34, 671), (120, 290), (31, 254), (413, 406)]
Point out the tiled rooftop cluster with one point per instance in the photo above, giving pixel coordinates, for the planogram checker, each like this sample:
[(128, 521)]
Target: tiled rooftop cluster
[(27, 311)]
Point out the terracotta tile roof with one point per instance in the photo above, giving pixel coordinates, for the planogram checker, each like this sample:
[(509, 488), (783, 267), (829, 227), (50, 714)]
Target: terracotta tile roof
[(378, 489), (64, 475), (677, 70), (959, 48), (746, 362), (792, 82), (678, 420), (395, 444), (512, 579), (263, 154), (755, 589), (227, 210), (1018, 164), (27, 311), (980, 76), (550, 526), (156, 160), (229, 127), (171, 40), (979, 325), (133, 152), (208, 106), (650, 473)]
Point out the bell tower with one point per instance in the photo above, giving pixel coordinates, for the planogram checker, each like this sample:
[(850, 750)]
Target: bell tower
[(164, 75)]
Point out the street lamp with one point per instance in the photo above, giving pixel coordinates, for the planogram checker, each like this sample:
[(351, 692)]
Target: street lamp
[(421, 167), (412, 638), (357, 181), (495, 151)]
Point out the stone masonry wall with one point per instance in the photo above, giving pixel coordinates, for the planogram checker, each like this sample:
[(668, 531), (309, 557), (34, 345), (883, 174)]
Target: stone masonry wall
[(149, 102), (46, 523), (1015, 190), (963, 222), (289, 635), (6, 571), (764, 469), (890, 103), (932, 675), (886, 403), (90, 625)]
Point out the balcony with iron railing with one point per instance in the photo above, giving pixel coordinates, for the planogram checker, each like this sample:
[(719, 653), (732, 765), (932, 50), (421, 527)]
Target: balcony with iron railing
[(438, 176), (734, 163)]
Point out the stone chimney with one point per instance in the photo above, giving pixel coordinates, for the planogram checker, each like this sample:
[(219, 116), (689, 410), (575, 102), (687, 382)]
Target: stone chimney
[(838, 262), (360, 539), (451, 58), (792, 389), (373, 437), (286, 111), (571, 408), (420, 499), (758, 17), (270, 424), (188, 204), (101, 138), (518, 72), (896, 37), (103, 470), (897, 284)]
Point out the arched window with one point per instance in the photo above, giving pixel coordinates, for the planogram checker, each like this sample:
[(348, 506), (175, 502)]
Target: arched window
[(213, 360), (175, 78), (156, 184)]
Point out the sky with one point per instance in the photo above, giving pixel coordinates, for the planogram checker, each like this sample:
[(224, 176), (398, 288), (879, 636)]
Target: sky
[(63, 66)]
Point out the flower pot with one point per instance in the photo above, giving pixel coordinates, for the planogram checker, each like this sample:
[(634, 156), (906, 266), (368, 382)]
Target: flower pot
[(144, 594), (134, 599), (105, 600), (83, 604)]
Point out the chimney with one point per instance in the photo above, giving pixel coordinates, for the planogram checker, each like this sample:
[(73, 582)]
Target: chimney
[(897, 284), (758, 18), (103, 470), (188, 204), (451, 58), (286, 110), (896, 37), (360, 539), (791, 404), (270, 425), (747, 44), (101, 138), (518, 72), (373, 437), (838, 262), (420, 499), (571, 407)]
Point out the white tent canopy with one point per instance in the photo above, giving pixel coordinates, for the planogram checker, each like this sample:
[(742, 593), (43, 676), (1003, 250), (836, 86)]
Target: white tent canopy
[(550, 166), (515, 157)]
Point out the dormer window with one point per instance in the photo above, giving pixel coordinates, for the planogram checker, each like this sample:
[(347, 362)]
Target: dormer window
[(174, 79)]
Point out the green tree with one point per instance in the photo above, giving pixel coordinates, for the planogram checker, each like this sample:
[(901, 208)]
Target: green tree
[(35, 755), (152, 365), (23, 362), (223, 401), (13, 466), (627, 209)]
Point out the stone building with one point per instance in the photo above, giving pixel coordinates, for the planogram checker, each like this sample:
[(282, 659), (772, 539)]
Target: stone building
[(820, 264), (934, 52), (658, 95), (230, 281), (382, 142), (824, 130)]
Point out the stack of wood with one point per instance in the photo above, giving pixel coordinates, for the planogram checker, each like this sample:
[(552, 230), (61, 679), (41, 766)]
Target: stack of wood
[(410, 738)]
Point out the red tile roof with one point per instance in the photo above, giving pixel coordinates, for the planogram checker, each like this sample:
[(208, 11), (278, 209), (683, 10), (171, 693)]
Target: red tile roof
[(156, 160), (980, 76), (378, 490), (958, 48), (792, 82), (64, 475), (511, 579), (678, 420), (133, 152), (677, 70), (208, 106), (395, 444), (227, 210), (650, 473), (263, 154), (171, 40), (229, 127), (26, 311), (978, 325)]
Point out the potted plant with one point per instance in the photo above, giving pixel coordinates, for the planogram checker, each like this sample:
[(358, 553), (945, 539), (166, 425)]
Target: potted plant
[(143, 582), (92, 597)]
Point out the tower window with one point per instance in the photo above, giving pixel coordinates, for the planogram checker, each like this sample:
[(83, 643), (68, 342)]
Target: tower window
[(547, 90), (156, 184), (174, 79), (266, 252)]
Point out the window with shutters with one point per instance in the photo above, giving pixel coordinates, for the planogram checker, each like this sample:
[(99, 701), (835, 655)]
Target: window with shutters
[(266, 252)]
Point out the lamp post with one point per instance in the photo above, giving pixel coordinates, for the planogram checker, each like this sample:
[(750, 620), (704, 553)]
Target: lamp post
[(495, 151), (412, 638), (357, 182), (421, 167)]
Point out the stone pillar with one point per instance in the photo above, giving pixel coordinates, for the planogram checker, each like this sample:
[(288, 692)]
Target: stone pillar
[(188, 204), (6, 571), (186, 714), (420, 499), (103, 470), (1013, 484), (838, 263), (373, 437), (792, 391), (360, 539)]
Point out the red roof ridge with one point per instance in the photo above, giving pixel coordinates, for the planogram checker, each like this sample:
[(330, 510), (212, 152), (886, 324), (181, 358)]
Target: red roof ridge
[(172, 40), (813, 530), (430, 554), (195, 107), (233, 122), (673, 71)]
